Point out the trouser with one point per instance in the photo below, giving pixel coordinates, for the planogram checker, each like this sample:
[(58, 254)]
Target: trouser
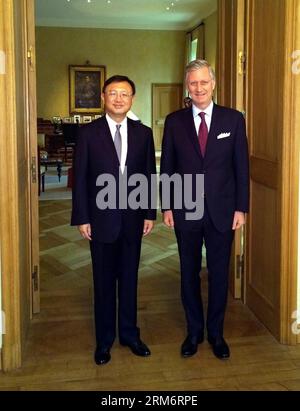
[(218, 250), (115, 267)]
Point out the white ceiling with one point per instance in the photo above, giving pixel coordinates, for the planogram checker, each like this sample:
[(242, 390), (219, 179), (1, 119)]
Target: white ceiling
[(121, 14)]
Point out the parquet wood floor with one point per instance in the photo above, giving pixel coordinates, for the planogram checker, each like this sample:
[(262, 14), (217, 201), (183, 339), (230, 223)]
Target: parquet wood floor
[(59, 352)]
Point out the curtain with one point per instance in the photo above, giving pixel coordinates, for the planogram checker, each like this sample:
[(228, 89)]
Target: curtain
[(198, 34), (188, 41)]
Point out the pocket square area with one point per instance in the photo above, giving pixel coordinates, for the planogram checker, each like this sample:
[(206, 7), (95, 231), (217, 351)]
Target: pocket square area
[(223, 135)]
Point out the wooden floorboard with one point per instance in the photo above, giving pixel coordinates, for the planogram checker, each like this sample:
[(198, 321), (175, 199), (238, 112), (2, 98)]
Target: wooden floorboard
[(59, 351)]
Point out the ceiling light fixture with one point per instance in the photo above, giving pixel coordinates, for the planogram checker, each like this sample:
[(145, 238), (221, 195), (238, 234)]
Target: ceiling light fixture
[(172, 5), (88, 1)]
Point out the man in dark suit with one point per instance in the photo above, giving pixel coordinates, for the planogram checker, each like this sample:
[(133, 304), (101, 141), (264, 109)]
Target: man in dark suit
[(113, 146), (210, 140)]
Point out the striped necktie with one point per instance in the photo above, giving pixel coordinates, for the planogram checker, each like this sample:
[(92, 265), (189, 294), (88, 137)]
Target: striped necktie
[(202, 133), (118, 142)]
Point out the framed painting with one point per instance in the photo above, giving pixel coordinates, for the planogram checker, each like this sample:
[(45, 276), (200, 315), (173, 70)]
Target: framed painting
[(86, 84)]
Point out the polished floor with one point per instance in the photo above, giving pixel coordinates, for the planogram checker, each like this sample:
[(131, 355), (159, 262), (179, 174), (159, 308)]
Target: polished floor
[(59, 352)]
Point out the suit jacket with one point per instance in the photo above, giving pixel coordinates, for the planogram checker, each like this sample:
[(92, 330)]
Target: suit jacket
[(225, 165), (96, 155)]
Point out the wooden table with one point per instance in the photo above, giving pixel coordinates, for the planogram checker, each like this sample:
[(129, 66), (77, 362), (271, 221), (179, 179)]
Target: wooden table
[(53, 162)]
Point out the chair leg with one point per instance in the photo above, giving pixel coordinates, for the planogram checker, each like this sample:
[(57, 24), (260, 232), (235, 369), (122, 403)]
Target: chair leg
[(39, 184), (43, 182)]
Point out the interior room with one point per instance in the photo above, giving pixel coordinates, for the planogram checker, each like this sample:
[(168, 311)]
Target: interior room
[(58, 52)]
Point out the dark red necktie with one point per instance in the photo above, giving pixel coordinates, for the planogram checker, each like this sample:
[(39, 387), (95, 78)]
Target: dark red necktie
[(202, 133)]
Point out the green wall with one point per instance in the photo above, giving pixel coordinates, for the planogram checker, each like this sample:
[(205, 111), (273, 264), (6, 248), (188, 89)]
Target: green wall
[(146, 56), (211, 32)]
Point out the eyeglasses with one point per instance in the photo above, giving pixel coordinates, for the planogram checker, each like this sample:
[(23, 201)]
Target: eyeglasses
[(122, 94)]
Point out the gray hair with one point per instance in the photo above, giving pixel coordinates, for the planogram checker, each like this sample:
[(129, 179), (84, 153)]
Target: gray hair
[(199, 64)]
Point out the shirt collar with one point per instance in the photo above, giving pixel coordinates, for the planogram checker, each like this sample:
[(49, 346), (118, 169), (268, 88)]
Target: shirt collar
[(207, 111), (113, 123)]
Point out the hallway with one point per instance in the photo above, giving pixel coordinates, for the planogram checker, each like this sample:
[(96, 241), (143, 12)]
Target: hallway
[(59, 352)]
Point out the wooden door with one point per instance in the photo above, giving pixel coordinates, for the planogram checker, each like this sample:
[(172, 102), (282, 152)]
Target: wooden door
[(165, 99), (270, 99), (18, 184), (272, 107), (33, 181), (231, 93)]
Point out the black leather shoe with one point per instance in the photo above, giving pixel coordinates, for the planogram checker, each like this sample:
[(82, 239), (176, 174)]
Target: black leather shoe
[(220, 348), (138, 348), (102, 356), (190, 346)]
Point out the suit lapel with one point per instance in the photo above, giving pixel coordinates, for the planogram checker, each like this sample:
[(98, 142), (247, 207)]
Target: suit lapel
[(191, 130), (105, 133), (212, 131), (190, 126), (130, 142)]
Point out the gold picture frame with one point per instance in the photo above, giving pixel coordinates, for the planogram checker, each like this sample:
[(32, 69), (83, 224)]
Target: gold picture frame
[(86, 84)]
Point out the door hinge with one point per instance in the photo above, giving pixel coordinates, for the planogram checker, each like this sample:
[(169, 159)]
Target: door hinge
[(242, 63), (30, 57), (2, 323), (33, 169), (239, 266), (35, 278)]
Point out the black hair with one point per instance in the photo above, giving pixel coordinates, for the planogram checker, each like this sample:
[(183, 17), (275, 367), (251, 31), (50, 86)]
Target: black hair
[(118, 79)]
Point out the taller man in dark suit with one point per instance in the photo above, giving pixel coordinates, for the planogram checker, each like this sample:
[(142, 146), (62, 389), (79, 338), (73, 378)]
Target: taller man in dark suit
[(211, 140), (109, 149)]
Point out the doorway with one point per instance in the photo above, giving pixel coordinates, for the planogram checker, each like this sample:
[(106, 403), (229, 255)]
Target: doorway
[(166, 98), (273, 176)]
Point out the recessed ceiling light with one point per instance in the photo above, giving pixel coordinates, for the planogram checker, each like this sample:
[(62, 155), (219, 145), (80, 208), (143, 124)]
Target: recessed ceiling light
[(168, 8)]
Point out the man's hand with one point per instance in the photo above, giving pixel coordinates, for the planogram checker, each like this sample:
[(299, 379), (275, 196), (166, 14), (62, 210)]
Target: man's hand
[(238, 220), (85, 231), (168, 218), (148, 225)]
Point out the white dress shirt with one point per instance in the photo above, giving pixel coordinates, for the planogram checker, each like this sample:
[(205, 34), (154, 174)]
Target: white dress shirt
[(208, 114), (124, 137)]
